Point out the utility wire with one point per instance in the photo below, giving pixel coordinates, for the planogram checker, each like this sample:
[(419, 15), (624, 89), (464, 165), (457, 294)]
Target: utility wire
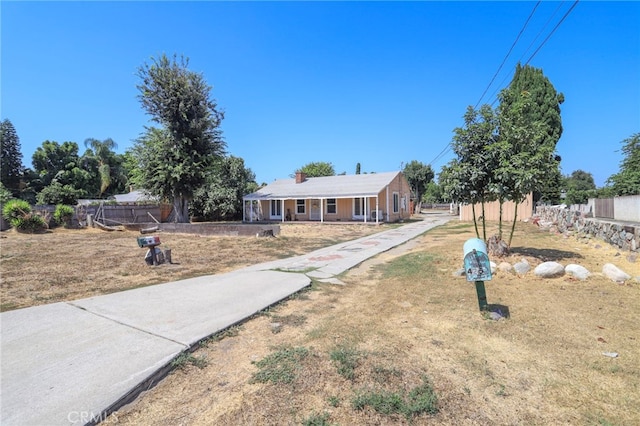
[(508, 53), (552, 31), (448, 147), (495, 91)]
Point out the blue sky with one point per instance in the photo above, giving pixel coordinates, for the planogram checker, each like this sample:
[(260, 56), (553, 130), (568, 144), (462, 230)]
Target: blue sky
[(376, 83)]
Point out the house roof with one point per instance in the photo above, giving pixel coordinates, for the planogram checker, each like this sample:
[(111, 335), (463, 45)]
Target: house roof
[(342, 186), (134, 197)]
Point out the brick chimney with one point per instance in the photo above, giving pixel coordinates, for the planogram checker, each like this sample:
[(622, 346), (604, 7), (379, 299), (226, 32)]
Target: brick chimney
[(300, 177)]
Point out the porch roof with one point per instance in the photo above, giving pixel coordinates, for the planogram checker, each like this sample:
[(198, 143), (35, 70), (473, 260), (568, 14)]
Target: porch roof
[(342, 186)]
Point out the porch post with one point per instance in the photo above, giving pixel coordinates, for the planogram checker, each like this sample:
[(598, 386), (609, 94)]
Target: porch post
[(282, 210), (377, 218), (251, 210), (321, 211), (388, 211), (365, 209)]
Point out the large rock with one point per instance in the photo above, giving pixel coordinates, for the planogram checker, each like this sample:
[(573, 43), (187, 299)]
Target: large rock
[(549, 270), (577, 271), (614, 273), (522, 267), (506, 267)]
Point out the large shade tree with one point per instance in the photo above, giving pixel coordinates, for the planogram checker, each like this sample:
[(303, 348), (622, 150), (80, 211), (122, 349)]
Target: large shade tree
[(11, 168), (579, 186), (220, 198), (317, 169), (627, 180), (174, 159), (60, 164), (418, 175)]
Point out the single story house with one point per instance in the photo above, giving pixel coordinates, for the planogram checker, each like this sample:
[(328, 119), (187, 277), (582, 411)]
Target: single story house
[(374, 197)]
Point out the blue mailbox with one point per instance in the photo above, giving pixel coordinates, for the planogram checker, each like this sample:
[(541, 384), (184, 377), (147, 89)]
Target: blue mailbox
[(476, 260)]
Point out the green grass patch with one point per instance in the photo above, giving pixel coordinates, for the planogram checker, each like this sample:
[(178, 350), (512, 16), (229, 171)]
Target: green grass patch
[(229, 332), (346, 359), (419, 400), (408, 265), (186, 359), (280, 366), (317, 419)]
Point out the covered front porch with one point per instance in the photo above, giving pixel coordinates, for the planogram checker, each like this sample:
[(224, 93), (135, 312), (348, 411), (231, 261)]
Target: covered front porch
[(365, 209)]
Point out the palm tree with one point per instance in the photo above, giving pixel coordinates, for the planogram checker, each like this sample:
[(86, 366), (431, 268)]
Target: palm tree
[(103, 152)]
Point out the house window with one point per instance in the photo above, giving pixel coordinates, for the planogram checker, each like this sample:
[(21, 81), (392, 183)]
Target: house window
[(358, 206), (276, 208), (331, 206), (301, 207), (396, 202)]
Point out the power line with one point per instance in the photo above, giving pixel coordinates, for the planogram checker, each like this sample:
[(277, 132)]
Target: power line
[(552, 31), (495, 91), (447, 148), (508, 53)]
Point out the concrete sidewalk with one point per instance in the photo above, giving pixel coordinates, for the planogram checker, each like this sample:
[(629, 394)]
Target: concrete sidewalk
[(74, 362)]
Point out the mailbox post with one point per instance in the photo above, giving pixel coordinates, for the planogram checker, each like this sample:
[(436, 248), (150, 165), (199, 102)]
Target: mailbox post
[(151, 243), (477, 267)]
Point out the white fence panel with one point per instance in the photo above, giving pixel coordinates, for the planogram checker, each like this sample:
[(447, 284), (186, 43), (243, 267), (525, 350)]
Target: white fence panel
[(627, 208)]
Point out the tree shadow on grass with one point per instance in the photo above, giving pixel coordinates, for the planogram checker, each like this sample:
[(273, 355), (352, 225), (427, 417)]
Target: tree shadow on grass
[(546, 255)]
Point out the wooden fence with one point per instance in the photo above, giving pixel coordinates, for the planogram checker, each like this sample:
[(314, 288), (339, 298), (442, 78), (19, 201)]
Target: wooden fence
[(113, 214), (604, 208), (492, 210)]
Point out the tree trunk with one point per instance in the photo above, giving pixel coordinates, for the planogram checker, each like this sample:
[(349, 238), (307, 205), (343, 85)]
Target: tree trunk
[(475, 223), (484, 223), (180, 212), (500, 219), (513, 226)]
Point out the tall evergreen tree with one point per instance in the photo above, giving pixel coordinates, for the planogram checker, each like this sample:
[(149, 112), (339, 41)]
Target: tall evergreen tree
[(542, 110), (11, 168), (530, 127), (176, 157)]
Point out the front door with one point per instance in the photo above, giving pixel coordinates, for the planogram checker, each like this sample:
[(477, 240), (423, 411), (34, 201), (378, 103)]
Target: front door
[(314, 209)]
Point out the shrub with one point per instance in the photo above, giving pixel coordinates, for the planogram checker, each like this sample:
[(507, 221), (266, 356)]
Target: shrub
[(63, 215), (14, 209), (20, 216)]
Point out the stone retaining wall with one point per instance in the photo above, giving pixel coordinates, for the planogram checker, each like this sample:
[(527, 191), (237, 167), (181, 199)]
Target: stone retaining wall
[(625, 236)]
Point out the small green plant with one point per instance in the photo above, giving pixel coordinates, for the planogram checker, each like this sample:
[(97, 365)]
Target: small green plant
[(63, 214), (186, 359), (419, 400), (280, 366), (317, 419), (383, 402), (346, 359), (333, 401)]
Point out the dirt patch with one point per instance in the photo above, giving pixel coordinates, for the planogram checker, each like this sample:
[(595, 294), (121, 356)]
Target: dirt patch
[(71, 264), (403, 324)]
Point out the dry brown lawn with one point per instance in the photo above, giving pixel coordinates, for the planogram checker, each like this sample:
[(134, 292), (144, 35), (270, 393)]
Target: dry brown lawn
[(66, 264), (402, 320)]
